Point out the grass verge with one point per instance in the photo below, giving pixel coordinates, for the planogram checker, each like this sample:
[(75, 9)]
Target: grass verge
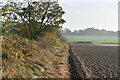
[(23, 58)]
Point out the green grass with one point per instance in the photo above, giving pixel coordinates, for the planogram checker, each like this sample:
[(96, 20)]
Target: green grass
[(93, 39)]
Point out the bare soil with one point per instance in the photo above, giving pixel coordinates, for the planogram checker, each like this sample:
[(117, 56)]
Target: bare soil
[(91, 61)]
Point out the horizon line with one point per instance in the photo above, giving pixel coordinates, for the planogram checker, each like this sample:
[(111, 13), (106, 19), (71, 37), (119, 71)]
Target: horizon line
[(90, 27)]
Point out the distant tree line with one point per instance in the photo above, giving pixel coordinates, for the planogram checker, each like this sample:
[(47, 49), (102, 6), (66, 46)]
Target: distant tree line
[(89, 31)]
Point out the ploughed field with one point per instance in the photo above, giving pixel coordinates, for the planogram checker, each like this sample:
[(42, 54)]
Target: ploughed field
[(97, 61)]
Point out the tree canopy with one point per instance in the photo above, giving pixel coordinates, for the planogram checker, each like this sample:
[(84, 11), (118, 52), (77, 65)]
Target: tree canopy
[(31, 19)]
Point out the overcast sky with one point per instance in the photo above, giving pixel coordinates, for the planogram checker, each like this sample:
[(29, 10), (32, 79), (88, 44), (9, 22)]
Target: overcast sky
[(81, 14)]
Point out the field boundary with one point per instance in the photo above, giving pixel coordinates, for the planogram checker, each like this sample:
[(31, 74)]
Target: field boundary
[(88, 75), (85, 73)]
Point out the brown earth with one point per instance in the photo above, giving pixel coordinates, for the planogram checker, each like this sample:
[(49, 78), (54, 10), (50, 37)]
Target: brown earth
[(96, 61)]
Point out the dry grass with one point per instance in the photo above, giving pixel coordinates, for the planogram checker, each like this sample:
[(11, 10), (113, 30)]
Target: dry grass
[(23, 58)]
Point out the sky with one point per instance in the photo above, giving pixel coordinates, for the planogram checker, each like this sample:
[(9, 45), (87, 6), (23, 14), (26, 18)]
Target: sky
[(82, 14), (98, 14)]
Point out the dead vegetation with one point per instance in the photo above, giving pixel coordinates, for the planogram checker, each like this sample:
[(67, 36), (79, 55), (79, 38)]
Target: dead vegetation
[(23, 58)]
